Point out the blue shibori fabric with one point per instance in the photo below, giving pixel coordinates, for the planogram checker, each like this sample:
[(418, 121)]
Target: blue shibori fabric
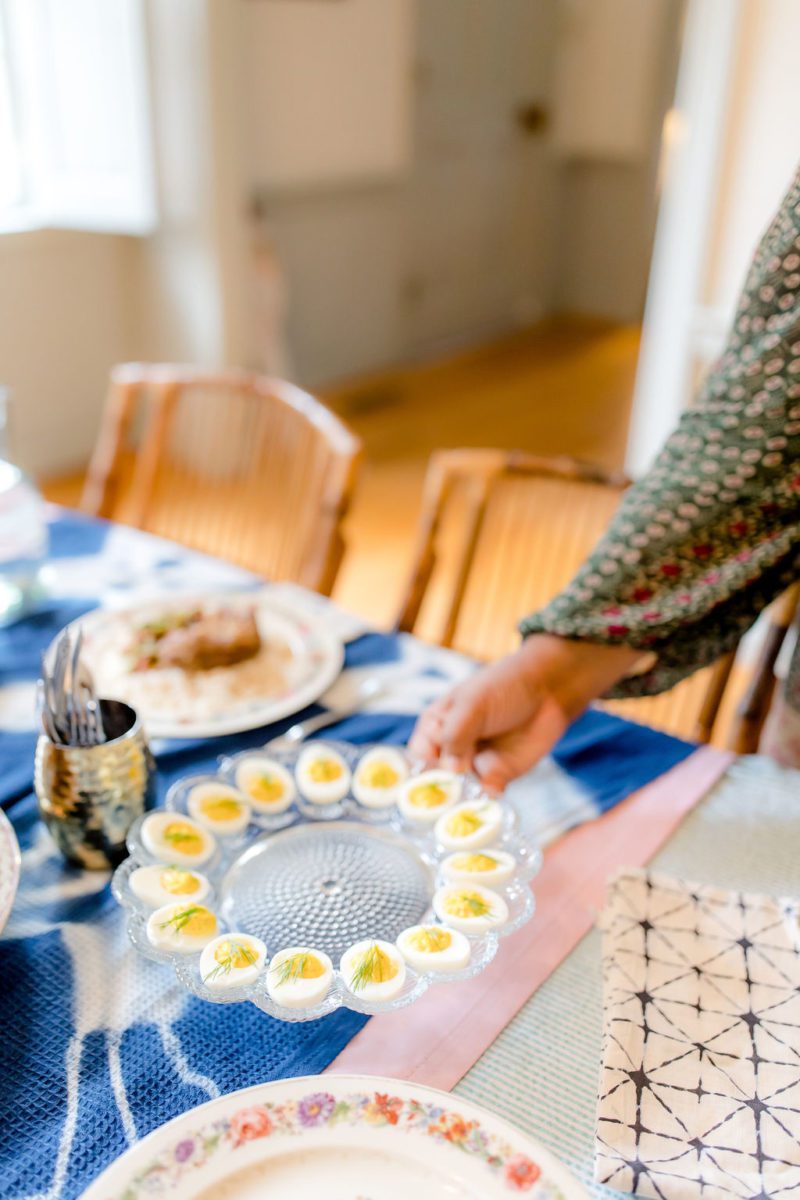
[(99, 1046)]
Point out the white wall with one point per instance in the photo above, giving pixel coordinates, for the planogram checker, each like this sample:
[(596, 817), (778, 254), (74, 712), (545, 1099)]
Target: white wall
[(329, 90), (762, 144), (65, 318), (73, 304), (734, 151), (387, 259)]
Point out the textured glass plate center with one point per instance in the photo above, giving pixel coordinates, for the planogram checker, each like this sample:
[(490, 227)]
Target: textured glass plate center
[(327, 885)]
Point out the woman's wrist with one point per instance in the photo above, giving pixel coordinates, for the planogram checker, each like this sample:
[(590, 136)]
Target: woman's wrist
[(574, 672)]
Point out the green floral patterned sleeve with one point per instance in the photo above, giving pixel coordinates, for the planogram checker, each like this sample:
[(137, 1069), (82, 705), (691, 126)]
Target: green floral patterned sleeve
[(711, 534)]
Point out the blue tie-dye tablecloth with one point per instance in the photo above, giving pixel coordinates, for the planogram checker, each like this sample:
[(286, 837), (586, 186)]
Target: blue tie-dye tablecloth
[(97, 1045)]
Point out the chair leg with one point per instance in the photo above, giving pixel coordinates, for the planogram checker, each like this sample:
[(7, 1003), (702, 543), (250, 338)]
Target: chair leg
[(754, 707), (709, 712)]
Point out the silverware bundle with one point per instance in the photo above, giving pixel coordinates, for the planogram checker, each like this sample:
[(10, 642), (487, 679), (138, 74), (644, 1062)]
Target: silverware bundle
[(67, 703), (93, 772)]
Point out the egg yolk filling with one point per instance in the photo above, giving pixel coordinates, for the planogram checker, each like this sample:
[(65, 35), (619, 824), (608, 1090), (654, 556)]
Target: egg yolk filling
[(430, 940), (379, 775), (234, 954), (221, 808), (324, 770), (266, 788), (462, 824), (474, 862), (298, 966), (178, 882), (466, 904), (183, 838), (427, 795), (196, 921), (374, 966), (310, 968)]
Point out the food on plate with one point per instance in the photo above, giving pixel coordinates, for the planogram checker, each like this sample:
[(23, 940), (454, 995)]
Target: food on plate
[(422, 798), (159, 885), (434, 948), (322, 775), (196, 640), (373, 970), (181, 928), (378, 776), (299, 977), (219, 807), (488, 867), (470, 826), (232, 960), (177, 839), (470, 907), (268, 786)]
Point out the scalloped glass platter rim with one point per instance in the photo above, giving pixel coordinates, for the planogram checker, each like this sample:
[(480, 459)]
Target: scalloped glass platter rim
[(317, 657), (326, 830), (387, 1138)]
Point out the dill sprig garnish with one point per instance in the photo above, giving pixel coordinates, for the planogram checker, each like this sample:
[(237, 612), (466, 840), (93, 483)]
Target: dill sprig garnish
[(181, 919), (178, 836), (476, 904), (225, 965), (371, 961), (290, 969)]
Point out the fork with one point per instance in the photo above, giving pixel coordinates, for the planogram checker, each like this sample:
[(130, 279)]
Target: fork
[(366, 691)]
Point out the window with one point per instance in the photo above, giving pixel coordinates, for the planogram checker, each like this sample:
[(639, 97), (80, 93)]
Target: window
[(75, 146)]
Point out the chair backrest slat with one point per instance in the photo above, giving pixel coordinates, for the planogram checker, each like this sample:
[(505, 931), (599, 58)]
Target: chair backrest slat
[(236, 464), (501, 533)]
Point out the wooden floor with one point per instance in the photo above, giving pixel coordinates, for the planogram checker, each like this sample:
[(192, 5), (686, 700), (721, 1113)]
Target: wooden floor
[(561, 388)]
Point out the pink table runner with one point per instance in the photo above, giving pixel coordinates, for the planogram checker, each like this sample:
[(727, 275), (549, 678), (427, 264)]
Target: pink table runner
[(438, 1039)]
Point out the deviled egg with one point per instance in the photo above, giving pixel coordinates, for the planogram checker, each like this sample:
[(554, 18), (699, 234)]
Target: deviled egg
[(488, 867), (157, 885), (267, 784), (378, 776), (322, 775), (181, 928), (422, 798), (219, 807), (373, 970), (470, 826), (470, 907), (176, 839), (299, 977), (434, 948), (232, 960)]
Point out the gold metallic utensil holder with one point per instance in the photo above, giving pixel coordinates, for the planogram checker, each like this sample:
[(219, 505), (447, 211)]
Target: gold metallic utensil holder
[(89, 796)]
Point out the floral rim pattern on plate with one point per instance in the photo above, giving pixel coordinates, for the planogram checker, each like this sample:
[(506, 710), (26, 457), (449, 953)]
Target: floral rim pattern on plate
[(517, 1171)]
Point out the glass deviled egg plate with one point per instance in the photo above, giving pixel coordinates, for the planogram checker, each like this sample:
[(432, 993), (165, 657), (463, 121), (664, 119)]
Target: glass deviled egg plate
[(325, 875)]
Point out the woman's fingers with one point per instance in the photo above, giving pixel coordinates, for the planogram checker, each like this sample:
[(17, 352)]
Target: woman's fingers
[(501, 759), (449, 730), (426, 740), (463, 726)]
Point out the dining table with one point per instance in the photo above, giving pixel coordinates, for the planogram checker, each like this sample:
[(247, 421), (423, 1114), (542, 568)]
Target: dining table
[(99, 1047)]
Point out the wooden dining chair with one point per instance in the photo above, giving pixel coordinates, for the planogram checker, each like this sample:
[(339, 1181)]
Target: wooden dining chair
[(235, 464), (501, 532)]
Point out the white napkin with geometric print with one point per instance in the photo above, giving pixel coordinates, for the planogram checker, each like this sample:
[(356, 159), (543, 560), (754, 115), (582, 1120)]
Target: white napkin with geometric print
[(700, 1081)]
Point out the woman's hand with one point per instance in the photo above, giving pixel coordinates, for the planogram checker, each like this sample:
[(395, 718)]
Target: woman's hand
[(508, 715)]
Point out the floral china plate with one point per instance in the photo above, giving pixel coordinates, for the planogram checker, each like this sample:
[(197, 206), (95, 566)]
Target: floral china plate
[(341, 1137), (299, 659)]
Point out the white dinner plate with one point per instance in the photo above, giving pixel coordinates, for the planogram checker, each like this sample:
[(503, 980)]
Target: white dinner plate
[(341, 1137), (299, 660), (9, 868)]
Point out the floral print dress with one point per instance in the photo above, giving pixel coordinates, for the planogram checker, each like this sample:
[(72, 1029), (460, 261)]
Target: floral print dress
[(711, 534)]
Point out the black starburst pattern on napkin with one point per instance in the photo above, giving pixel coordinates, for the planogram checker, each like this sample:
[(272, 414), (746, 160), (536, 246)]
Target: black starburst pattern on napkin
[(700, 1087)]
